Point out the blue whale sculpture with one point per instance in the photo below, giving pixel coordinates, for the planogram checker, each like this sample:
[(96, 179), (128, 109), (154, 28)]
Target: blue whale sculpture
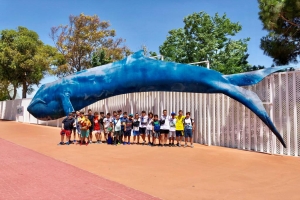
[(137, 73)]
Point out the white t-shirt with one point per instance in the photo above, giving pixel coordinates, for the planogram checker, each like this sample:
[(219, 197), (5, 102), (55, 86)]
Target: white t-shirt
[(166, 125), (172, 124), (117, 124), (188, 123), (143, 121), (135, 128), (149, 124), (106, 122)]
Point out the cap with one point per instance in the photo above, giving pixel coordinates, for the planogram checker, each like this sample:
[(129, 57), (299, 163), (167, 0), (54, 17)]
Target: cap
[(172, 113), (130, 115)]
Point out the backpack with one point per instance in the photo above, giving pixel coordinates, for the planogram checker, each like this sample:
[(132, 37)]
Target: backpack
[(156, 126)]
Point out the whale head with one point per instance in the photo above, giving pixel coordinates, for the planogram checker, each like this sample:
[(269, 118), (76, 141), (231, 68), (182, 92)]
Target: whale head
[(45, 105)]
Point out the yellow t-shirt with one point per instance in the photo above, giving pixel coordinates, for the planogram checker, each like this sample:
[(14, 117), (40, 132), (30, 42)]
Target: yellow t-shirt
[(179, 123)]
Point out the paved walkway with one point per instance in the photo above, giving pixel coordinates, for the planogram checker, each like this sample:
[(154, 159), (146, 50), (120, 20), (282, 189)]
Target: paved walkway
[(26, 174), (167, 173)]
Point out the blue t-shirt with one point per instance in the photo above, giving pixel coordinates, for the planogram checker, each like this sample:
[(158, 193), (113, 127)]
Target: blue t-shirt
[(68, 123)]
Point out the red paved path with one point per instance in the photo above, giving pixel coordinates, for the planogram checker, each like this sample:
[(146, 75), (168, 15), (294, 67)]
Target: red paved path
[(26, 174)]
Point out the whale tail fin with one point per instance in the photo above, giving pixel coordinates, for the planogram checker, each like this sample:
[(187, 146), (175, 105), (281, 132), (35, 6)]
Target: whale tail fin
[(254, 77), (252, 101)]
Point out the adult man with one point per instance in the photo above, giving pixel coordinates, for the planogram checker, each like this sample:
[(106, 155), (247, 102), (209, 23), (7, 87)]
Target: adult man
[(66, 129), (179, 127), (91, 118), (164, 128)]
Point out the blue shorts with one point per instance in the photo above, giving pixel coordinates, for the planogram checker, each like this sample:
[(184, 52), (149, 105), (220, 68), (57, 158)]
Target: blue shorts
[(127, 133), (188, 133), (136, 133)]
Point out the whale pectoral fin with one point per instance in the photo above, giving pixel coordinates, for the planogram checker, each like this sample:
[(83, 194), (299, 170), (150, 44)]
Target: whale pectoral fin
[(67, 105), (252, 101)]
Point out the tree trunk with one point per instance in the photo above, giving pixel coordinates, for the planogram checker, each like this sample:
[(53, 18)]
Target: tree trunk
[(24, 92)]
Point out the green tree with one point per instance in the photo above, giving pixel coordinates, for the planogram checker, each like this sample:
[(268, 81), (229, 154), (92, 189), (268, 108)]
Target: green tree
[(207, 38), (86, 42), (24, 59), (282, 19)]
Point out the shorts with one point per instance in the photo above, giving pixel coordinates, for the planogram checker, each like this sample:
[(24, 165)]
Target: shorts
[(136, 133), (74, 129), (117, 133), (179, 133), (108, 130), (67, 132), (164, 131), (78, 130), (85, 133), (188, 133), (91, 129), (127, 133), (156, 134), (149, 132), (142, 130), (97, 131), (172, 134)]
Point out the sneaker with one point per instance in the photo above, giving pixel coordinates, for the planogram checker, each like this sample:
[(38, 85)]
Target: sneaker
[(170, 144), (90, 141), (128, 143), (185, 145), (192, 146), (61, 143), (87, 143), (100, 142), (124, 143), (149, 143), (179, 145), (74, 141), (67, 143)]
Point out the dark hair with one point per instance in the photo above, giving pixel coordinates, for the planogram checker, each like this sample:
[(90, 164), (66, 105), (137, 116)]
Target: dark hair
[(156, 115), (114, 112), (150, 113), (119, 110), (164, 110), (180, 111), (143, 111), (81, 112), (101, 113), (188, 113), (89, 110), (108, 114), (96, 113), (70, 114), (124, 113)]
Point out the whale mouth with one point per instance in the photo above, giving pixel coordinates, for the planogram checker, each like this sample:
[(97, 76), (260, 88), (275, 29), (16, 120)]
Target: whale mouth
[(36, 102)]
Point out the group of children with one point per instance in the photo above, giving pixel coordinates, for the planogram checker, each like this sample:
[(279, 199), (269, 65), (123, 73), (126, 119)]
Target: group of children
[(118, 128)]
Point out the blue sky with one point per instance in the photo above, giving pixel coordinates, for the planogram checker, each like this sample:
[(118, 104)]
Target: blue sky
[(139, 22)]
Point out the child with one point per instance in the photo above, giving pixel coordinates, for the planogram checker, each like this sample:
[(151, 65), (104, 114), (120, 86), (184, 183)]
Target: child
[(117, 129), (155, 130), (107, 121), (172, 130), (149, 128), (135, 127), (101, 126), (127, 129), (91, 118), (66, 129), (96, 129), (179, 127), (85, 124), (143, 125), (188, 129), (164, 128)]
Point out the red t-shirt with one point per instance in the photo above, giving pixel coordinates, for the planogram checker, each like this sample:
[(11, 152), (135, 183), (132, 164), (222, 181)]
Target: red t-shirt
[(96, 124)]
